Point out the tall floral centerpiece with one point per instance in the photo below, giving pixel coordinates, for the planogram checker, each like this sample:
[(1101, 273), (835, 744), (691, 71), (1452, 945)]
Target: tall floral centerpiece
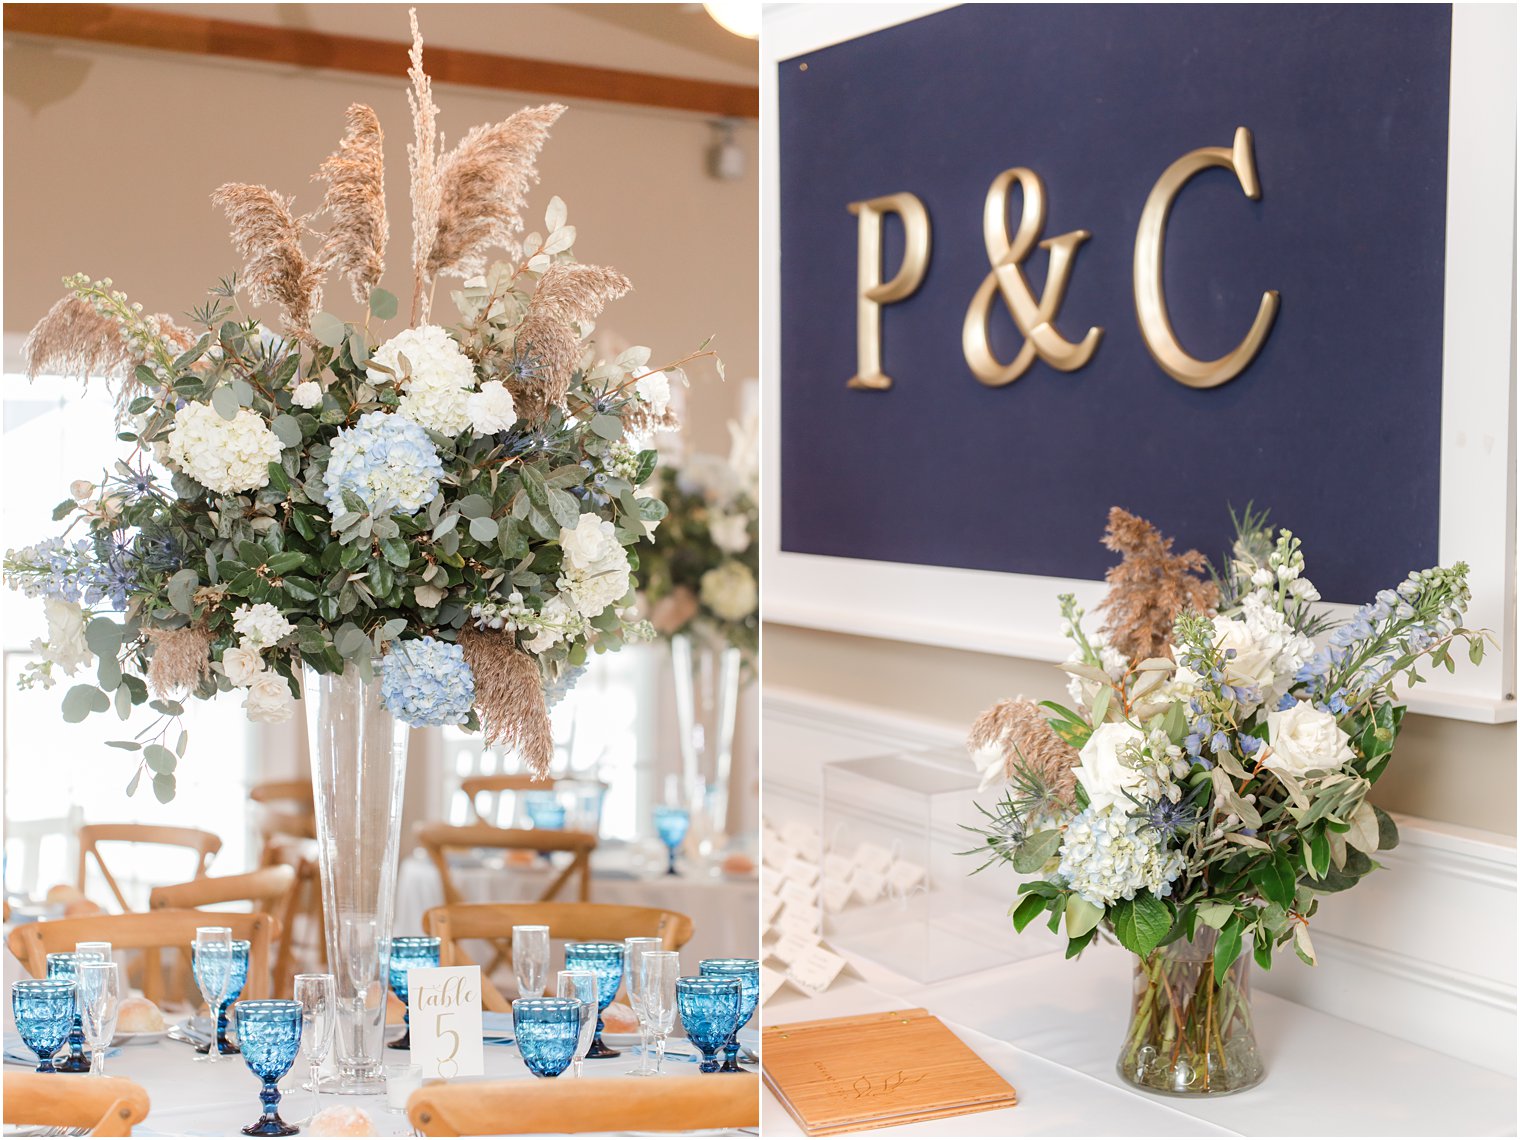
[(411, 524), (1208, 781), (701, 588)]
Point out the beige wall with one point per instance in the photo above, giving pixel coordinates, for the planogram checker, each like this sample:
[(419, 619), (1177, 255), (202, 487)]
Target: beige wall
[(112, 155), (1444, 770)]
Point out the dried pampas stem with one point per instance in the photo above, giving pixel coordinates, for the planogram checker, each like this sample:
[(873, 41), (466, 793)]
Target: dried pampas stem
[(1018, 729), (547, 342), (1150, 587), (181, 659), (422, 156), (355, 200), (483, 186), (509, 693), (269, 236)]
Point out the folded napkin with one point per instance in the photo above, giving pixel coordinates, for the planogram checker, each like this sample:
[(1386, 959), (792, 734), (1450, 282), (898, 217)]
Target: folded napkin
[(16, 1053), (497, 1028)]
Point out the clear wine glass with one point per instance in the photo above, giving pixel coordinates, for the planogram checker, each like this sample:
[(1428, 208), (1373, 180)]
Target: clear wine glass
[(318, 996), (212, 964), (98, 986), (530, 959), (581, 985), (633, 950), (659, 970)]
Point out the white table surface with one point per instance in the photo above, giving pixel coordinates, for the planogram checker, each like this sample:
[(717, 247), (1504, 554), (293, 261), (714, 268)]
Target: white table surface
[(725, 913), (1053, 1028)]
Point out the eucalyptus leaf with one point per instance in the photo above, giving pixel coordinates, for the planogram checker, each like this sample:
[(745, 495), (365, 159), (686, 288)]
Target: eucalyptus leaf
[(225, 401), (1036, 850), (483, 529), (328, 329), (382, 304)]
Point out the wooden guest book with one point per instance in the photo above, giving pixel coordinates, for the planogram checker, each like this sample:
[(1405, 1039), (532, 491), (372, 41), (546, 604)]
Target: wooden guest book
[(875, 1070)]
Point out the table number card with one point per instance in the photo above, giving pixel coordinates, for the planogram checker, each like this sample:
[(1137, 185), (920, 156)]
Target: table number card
[(445, 1020)]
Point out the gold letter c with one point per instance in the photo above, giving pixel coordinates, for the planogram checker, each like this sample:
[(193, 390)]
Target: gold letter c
[(1150, 294)]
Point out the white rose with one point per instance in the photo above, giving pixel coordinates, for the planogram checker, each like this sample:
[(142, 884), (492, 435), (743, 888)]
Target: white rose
[(1103, 775), (269, 700), (260, 625), (1303, 739), (307, 394), (730, 533), (1252, 664), (491, 409), (595, 568), (66, 646), (654, 390), (729, 591), (242, 664)]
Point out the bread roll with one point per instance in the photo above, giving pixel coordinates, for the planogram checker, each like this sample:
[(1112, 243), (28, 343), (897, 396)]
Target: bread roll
[(340, 1120), (139, 1015)]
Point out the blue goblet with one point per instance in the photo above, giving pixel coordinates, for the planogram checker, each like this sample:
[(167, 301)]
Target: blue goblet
[(709, 1009), (270, 1035), (547, 1032), (66, 968), (236, 980), (747, 971), (545, 810), (672, 824), (605, 960), (44, 1011), (408, 952)]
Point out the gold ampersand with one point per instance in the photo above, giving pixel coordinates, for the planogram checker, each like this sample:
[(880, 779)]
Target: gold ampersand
[(1034, 316)]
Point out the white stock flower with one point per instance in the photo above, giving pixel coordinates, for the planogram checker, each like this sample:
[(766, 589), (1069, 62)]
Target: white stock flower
[(226, 456), (1303, 739), (307, 394), (435, 380), (65, 646), (554, 619), (654, 390), (730, 533), (729, 590), (242, 664), (260, 625), (1268, 652), (595, 569), (491, 409), (1103, 774), (269, 700)]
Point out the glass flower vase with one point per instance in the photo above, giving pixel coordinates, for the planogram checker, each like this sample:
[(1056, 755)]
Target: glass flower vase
[(707, 674), (1190, 1035), (358, 769)]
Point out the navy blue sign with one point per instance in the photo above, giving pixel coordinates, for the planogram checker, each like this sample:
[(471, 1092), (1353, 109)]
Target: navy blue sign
[(1335, 425)]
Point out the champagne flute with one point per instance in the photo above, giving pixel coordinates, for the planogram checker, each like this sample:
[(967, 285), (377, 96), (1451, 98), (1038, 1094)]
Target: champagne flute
[(581, 985), (98, 985), (530, 959), (212, 964), (659, 970), (634, 950), (317, 994)]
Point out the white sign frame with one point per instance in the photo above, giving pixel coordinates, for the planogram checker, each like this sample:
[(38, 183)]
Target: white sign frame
[(1014, 614)]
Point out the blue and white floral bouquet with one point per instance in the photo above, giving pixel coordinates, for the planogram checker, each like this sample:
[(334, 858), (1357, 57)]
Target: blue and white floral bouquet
[(1208, 780), (460, 507)]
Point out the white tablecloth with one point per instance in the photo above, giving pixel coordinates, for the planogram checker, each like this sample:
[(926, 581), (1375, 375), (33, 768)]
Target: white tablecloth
[(724, 912), (1053, 1028)]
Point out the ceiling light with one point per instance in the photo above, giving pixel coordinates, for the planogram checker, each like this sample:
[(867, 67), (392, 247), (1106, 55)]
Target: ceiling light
[(742, 17)]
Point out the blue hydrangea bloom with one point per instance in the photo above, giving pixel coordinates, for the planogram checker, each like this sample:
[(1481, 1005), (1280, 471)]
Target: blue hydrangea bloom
[(387, 461), (426, 682)]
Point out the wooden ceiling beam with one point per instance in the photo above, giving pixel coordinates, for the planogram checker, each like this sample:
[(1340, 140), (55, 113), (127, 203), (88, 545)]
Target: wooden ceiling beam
[(127, 26)]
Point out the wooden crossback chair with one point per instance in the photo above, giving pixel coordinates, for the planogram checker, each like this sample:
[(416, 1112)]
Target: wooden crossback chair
[(597, 1104), (91, 835), (107, 1106), (267, 889), (287, 812), (288, 831), (515, 783), (576, 922), (151, 933)]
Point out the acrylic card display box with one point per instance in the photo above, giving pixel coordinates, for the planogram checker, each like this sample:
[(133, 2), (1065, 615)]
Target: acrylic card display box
[(895, 887)]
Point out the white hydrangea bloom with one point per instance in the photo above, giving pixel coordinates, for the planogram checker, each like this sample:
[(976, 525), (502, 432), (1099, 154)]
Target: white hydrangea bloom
[(260, 625), (730, 533), (729, 590), (1106, 856), (595, 568), (491, 409), (227, 456), (307, 394), (435, 380)]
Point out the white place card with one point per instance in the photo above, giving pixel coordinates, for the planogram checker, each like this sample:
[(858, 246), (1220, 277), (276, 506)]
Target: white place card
[(837, 894), (777, 852), (770, 982), (770, 906), (800, 870), (874, 857), (801, 836), (445, 1019), (797, 919), (798, 894), (868, 885), (904, 877), (815, 970), (793, 946), (837, 866)]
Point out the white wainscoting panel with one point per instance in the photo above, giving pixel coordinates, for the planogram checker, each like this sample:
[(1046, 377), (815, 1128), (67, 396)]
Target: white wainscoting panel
[(1423, 949)]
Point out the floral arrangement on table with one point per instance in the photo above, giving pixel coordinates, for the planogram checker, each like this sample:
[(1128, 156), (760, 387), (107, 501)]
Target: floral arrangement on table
[(457, 506), (1209, 779), (702, 576)]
